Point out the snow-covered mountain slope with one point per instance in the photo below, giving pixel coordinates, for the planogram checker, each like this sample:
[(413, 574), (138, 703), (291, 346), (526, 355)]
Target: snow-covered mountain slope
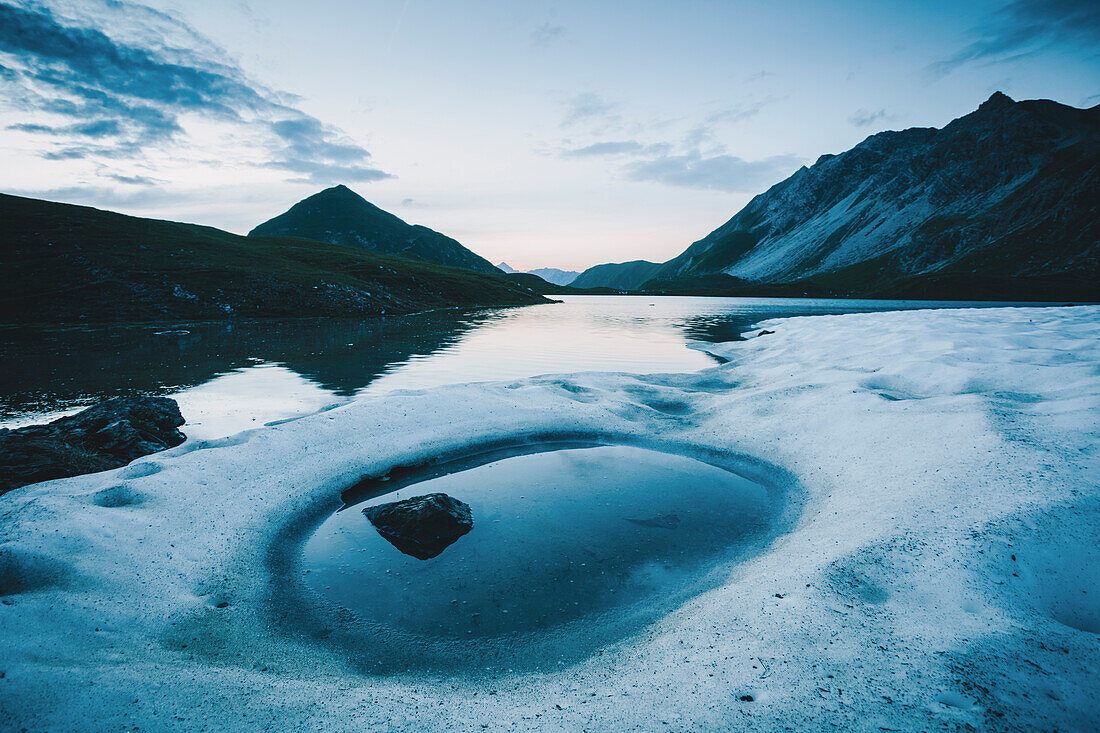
[(1008, 193), (340, 216)]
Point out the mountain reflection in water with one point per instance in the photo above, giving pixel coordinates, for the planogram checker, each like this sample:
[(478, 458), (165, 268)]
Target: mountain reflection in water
[(231, 376)]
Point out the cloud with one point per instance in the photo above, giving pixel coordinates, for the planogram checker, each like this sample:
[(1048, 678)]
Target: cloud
[(547, 33), (695, 158), (863, 118), (739, 112), (704, 134), (588, 106), (621, 147), (130, 180), (690, 156), (704, 137), (104, 196), (321, 172), (708, 133), (717, 173), (1025, 27), (116, 96)]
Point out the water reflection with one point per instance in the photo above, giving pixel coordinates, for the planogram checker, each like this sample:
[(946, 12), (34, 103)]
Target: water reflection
[(260, 370), (231, 376), (566, 551)]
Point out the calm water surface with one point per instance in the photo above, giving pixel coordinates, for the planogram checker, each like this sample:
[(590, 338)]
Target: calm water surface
[(570, 550), (230, 377)]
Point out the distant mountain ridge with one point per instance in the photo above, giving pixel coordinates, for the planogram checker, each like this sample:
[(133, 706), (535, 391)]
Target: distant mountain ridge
[(617, 275), (555, 276), (1004, 201), (550, 274), (338, 215)]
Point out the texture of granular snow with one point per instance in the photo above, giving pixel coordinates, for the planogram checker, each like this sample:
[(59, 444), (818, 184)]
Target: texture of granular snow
[(940, 571)]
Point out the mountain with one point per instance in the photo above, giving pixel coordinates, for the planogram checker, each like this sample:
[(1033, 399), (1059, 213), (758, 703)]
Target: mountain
[(74, 264), (536, 284), (552, 275), (338, 215), (1002, 203), (555, 276), (617, 275)]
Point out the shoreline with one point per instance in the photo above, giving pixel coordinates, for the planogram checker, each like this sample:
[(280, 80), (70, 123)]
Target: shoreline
[(930, 444), (77, 326)]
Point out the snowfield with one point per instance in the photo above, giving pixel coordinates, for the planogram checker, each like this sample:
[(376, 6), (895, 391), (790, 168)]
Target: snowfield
[(940, 570)]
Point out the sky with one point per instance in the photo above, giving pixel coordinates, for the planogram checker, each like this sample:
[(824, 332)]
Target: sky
[(542, 133)]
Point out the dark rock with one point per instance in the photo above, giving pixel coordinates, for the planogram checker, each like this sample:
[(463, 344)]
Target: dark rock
[(107, 435), (422, 526), (765, 332)]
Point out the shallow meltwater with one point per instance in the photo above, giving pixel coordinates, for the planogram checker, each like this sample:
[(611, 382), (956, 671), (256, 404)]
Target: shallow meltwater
[(530, 561)]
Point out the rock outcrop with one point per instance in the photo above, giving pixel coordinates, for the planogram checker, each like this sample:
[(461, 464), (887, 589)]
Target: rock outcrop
[(107, 435), (422, 526)]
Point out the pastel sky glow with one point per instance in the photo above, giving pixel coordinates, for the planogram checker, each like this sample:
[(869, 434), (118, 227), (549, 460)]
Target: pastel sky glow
[(560, 134)]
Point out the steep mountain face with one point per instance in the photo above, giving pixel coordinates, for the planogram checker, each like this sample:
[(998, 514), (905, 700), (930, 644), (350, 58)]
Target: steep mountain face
[(74, 264), (506, 268), (338, 215), (555, 276), (1002, 202), (617, 275)]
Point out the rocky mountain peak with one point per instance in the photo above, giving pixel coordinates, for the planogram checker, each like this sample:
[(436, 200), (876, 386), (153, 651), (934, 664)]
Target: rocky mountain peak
[(1000, 202), (998, 100), (338, 194), (339, 215)]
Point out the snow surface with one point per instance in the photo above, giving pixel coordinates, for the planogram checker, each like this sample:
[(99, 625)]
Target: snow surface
[(940, 570)]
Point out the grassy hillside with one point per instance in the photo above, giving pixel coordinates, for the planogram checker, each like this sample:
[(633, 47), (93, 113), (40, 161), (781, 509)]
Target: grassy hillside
[(61, 264)]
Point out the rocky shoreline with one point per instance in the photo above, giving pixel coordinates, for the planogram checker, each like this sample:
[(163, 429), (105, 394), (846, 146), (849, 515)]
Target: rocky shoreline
[(107, 435)]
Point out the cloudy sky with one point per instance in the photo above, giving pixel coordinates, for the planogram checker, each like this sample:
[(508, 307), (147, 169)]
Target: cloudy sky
[(541, 133)]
